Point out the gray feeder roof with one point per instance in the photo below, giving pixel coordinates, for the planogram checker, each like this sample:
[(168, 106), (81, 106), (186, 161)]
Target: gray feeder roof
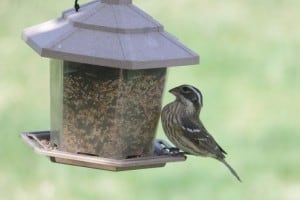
[(112, 33)]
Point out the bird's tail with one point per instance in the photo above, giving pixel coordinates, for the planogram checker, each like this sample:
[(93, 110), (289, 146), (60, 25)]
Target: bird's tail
[(230, 169)]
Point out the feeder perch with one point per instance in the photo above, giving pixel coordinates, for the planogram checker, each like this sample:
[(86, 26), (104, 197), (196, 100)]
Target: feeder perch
[(107, 74)]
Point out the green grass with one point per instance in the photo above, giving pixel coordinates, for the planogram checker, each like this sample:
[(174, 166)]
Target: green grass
[(249, 75)]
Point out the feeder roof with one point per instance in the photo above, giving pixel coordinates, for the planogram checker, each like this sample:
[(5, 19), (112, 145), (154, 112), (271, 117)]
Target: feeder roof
[(112, 33)]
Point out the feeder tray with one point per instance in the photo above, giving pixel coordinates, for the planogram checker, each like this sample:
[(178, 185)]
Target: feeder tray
[(40, 142)]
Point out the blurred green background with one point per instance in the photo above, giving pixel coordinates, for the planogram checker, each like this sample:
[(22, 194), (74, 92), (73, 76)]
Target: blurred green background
[(249, 76)]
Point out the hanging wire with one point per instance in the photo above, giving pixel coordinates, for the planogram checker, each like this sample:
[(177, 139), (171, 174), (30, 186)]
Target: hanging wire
[(76, 5)]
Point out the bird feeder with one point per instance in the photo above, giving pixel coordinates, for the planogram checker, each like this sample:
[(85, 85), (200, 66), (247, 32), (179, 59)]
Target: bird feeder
[(107, 75)]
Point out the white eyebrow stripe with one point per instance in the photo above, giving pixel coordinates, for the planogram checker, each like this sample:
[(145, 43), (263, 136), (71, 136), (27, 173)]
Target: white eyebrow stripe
[(197, 93)]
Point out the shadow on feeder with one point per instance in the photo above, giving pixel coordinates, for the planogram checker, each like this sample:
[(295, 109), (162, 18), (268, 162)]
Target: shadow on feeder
[(107, 75)]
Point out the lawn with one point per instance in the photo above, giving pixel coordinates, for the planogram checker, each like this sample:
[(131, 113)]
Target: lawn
[(249, 76)]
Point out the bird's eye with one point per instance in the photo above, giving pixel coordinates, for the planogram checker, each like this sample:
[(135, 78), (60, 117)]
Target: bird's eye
[(185, 89)]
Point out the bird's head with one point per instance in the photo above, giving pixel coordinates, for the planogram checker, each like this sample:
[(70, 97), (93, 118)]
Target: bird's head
[(188, 95)]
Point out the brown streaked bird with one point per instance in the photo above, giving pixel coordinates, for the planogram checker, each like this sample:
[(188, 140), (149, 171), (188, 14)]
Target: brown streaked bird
[(183, 127)]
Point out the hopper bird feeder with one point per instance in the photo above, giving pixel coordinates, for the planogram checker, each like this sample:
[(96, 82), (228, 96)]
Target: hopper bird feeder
[(107, 74)]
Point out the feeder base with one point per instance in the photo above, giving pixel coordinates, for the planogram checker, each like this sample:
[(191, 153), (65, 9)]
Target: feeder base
[(39, 141)]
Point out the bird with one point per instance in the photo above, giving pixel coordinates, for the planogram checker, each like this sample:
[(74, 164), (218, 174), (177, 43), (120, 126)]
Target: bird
[(183, 127)]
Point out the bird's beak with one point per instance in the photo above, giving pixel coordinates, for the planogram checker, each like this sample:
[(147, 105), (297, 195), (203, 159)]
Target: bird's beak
[(174, 91)]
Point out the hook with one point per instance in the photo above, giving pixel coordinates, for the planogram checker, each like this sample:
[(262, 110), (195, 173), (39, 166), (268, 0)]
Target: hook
[(76, 5)]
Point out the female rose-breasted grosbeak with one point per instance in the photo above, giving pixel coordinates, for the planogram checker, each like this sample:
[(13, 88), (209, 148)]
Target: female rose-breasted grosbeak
[(182, 126)]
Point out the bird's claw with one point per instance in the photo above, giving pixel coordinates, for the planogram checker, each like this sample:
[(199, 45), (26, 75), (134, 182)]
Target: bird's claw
[(174, 151)]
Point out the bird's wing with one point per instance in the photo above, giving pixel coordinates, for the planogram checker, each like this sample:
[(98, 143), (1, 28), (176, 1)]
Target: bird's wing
[(196, 133)]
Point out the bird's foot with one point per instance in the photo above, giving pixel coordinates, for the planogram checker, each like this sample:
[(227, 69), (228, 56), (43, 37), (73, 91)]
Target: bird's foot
[(174, 151)]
